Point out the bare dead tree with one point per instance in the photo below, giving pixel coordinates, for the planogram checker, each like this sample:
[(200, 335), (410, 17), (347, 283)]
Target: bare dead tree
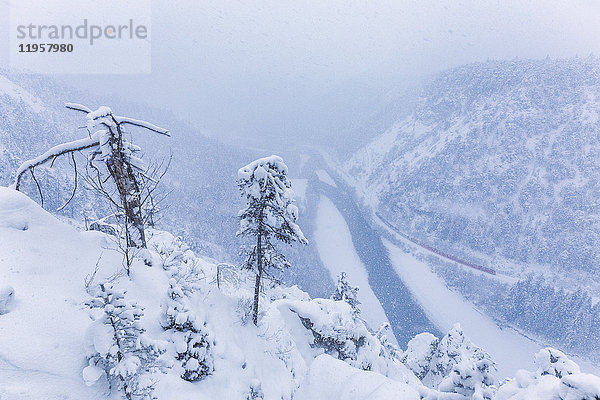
[(133, 182), (149, 203)]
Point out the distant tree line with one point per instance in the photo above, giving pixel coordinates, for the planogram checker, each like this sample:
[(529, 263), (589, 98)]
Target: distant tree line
[(567, 319)]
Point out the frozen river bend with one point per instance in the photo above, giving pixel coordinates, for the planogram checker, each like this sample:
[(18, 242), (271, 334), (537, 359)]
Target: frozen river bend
[(396, 283), (346, 242)]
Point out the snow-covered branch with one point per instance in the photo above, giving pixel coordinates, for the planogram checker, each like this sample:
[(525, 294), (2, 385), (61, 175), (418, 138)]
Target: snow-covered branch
[(142, 124), (78, 107), (54, 152), (119, 120), (123, 164)]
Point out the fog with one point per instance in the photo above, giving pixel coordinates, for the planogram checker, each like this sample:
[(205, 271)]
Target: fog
[(265, 71)]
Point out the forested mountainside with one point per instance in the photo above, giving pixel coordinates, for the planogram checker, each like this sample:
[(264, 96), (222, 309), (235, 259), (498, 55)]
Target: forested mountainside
[(499, 158)]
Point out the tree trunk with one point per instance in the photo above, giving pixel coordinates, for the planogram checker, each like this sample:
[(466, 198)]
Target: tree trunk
[(129, 193), (258, 277), (128, 189)]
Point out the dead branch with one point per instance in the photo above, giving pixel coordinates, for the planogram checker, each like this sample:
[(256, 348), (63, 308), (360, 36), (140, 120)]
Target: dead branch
[(38, 186), (53, 153), (74, 186)]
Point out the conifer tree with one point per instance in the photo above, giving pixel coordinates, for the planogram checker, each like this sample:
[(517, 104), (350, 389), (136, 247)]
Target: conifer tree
[(345, 292), (192, 341), (452, 364), (118, 348), (269, 217)]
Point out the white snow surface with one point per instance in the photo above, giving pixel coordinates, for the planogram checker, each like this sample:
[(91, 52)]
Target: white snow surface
[(334, 244), (46, 330), (46, 262), (331, 379), (325, 177), (7, 295)]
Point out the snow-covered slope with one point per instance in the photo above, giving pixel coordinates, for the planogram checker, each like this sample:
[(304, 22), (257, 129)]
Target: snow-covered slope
[(18, 94), (446, 307), (203, 198), (57, 337), (45, 262), (50, 267)]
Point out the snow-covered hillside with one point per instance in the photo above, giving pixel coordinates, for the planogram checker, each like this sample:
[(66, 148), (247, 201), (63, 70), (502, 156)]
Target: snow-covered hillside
[(52, 269), (55, 332), (203, 198), (497, 165), (499, 158)]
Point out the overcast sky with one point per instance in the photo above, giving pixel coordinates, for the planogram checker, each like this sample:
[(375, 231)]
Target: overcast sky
[(247, 68)]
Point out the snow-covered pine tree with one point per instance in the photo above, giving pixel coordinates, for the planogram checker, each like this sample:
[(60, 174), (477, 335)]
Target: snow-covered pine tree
[(340, 333), (472, 377), (420, 354), (389, 349), (450, 351), (118, 348), (255, 391), (190, 337), (345, 292), (269, 216), (451, 364)]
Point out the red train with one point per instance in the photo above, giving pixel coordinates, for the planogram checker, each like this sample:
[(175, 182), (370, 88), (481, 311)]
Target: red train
[(436, 251)]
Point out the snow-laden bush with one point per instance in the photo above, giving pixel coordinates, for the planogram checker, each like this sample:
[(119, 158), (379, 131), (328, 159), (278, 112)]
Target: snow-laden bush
[(190, 337), (389, 349), (419, 354), (255, 391), (554, 362), (472, 377), (556, 378), (117, 347), (337, 331), (346, 292), (452, 364), (173, 252)]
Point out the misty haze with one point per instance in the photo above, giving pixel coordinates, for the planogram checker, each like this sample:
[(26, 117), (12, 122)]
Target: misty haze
[(300, 200)]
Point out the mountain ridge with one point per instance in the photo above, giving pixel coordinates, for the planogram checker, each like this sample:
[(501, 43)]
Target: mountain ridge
[(498, 157)]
